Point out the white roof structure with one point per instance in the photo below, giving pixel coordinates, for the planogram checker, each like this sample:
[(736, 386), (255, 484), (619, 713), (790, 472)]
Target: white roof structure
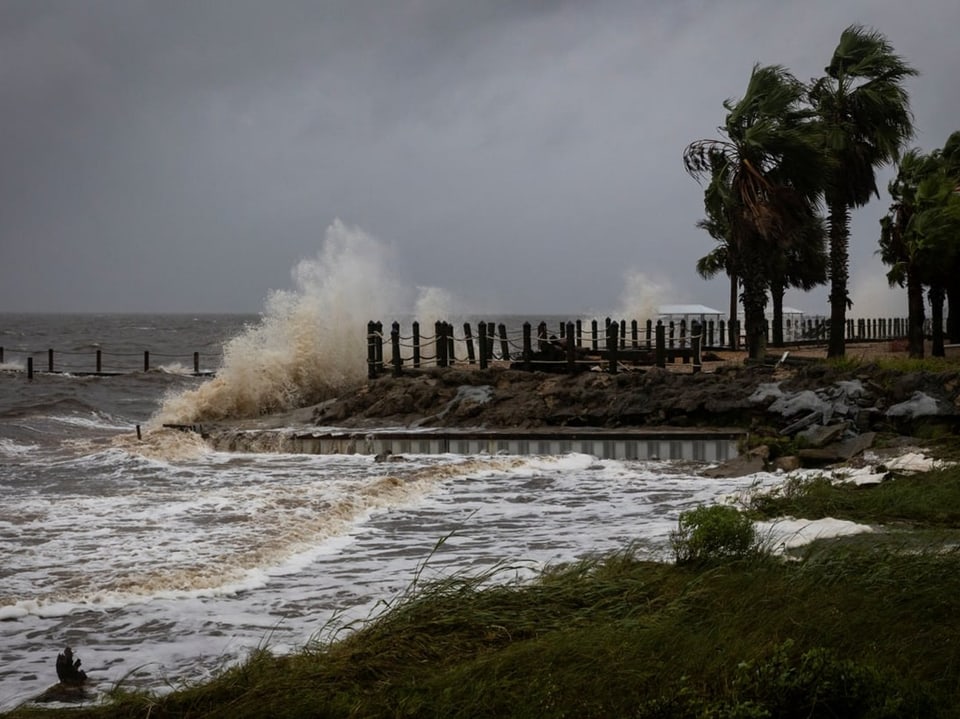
[(687, 310), (786, 311)]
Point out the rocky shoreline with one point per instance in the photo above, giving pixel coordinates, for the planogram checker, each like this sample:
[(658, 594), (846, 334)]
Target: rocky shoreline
[(813, 411)]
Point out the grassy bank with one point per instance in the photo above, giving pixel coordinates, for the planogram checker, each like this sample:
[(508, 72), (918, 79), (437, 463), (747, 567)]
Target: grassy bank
[(869, 628)]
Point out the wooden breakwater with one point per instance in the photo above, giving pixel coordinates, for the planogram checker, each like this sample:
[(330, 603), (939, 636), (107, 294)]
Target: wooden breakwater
[(93, 364), (716, 445)]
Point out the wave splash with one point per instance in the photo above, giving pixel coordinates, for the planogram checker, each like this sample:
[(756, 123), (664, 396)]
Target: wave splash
[(310, 344)]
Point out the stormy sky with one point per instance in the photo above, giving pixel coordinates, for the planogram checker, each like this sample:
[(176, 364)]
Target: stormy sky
[(184, 156)]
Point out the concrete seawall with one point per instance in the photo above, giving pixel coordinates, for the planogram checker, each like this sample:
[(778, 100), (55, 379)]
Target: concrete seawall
[(660, 444)]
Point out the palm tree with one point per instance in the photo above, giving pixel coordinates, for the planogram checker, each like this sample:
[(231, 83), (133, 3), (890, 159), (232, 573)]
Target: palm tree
[(865, 114), (803, 265), (764, 179), (919, 239), (721, 258), (951, 160), (901, 246)]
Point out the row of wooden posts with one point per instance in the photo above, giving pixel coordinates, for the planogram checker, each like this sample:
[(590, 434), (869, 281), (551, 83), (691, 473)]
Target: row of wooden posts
[(621, 341), (661, 344), (51, 367)]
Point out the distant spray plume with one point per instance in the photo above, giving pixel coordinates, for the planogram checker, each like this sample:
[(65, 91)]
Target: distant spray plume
[(641, 297), (310, 343), (433, 304)]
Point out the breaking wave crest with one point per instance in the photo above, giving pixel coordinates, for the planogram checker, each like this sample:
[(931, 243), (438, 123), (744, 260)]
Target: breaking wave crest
[(310, 343)]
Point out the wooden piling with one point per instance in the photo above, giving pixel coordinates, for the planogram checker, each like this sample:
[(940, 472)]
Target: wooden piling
[(146, 360), (527, 346), (696, 333), (595, 340), (49, 360), (468, 336), (613, 345), (196, 363), (99, 362), (571, 350), (482, 344), (416, 345), (371, 351), (661, 346), (396, 359), (29, 367), (378, 346), (440, 341), (504, 344)]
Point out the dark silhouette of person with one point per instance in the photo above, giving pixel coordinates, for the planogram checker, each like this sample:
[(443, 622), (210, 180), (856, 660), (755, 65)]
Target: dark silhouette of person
[(68, 668)]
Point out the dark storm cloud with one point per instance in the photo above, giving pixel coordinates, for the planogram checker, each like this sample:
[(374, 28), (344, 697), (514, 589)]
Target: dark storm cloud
[(184, 155)]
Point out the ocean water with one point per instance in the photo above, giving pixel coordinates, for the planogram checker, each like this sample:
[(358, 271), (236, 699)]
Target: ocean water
[(161, 561)]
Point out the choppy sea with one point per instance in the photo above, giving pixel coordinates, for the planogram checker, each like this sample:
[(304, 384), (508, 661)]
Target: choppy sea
[(161, 561)]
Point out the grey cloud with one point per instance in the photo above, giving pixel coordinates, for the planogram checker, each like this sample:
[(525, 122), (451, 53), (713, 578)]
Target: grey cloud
[(184, 156)]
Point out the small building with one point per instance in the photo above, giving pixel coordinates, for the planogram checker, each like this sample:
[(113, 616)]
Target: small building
[(792, 322), (689, 314)]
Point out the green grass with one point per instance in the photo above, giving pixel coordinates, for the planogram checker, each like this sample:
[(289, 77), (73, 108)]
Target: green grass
[(925, 500), (865, 626)]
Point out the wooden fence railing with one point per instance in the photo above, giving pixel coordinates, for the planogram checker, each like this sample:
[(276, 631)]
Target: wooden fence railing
[(576, 345)]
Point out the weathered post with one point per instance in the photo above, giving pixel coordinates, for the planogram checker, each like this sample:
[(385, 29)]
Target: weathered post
[(527, 346), (696, 333), (571, 350), (649, 334), (1, 355), (396, 359), (504, 343), (99, 361), (579, 333), (623, 334), (378, 346), (710, 333), (416, 344), (196, 363), (595, 340), (29, 367), (541, 336), (683, 341), (371, 352), (471, 357), (49, 360), (723, 334), (613, 345), (146, 360), (563, 330), (440, 350), (671, 355), (482, 332), (661, 351), (634, 335), (451, 349)]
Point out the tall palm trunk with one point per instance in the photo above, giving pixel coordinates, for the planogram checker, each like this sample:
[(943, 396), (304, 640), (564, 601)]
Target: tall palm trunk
[(915, 315), (776, 295), (936, 316), (953, 307), (734, 284), (754, 304), (839, 223)]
